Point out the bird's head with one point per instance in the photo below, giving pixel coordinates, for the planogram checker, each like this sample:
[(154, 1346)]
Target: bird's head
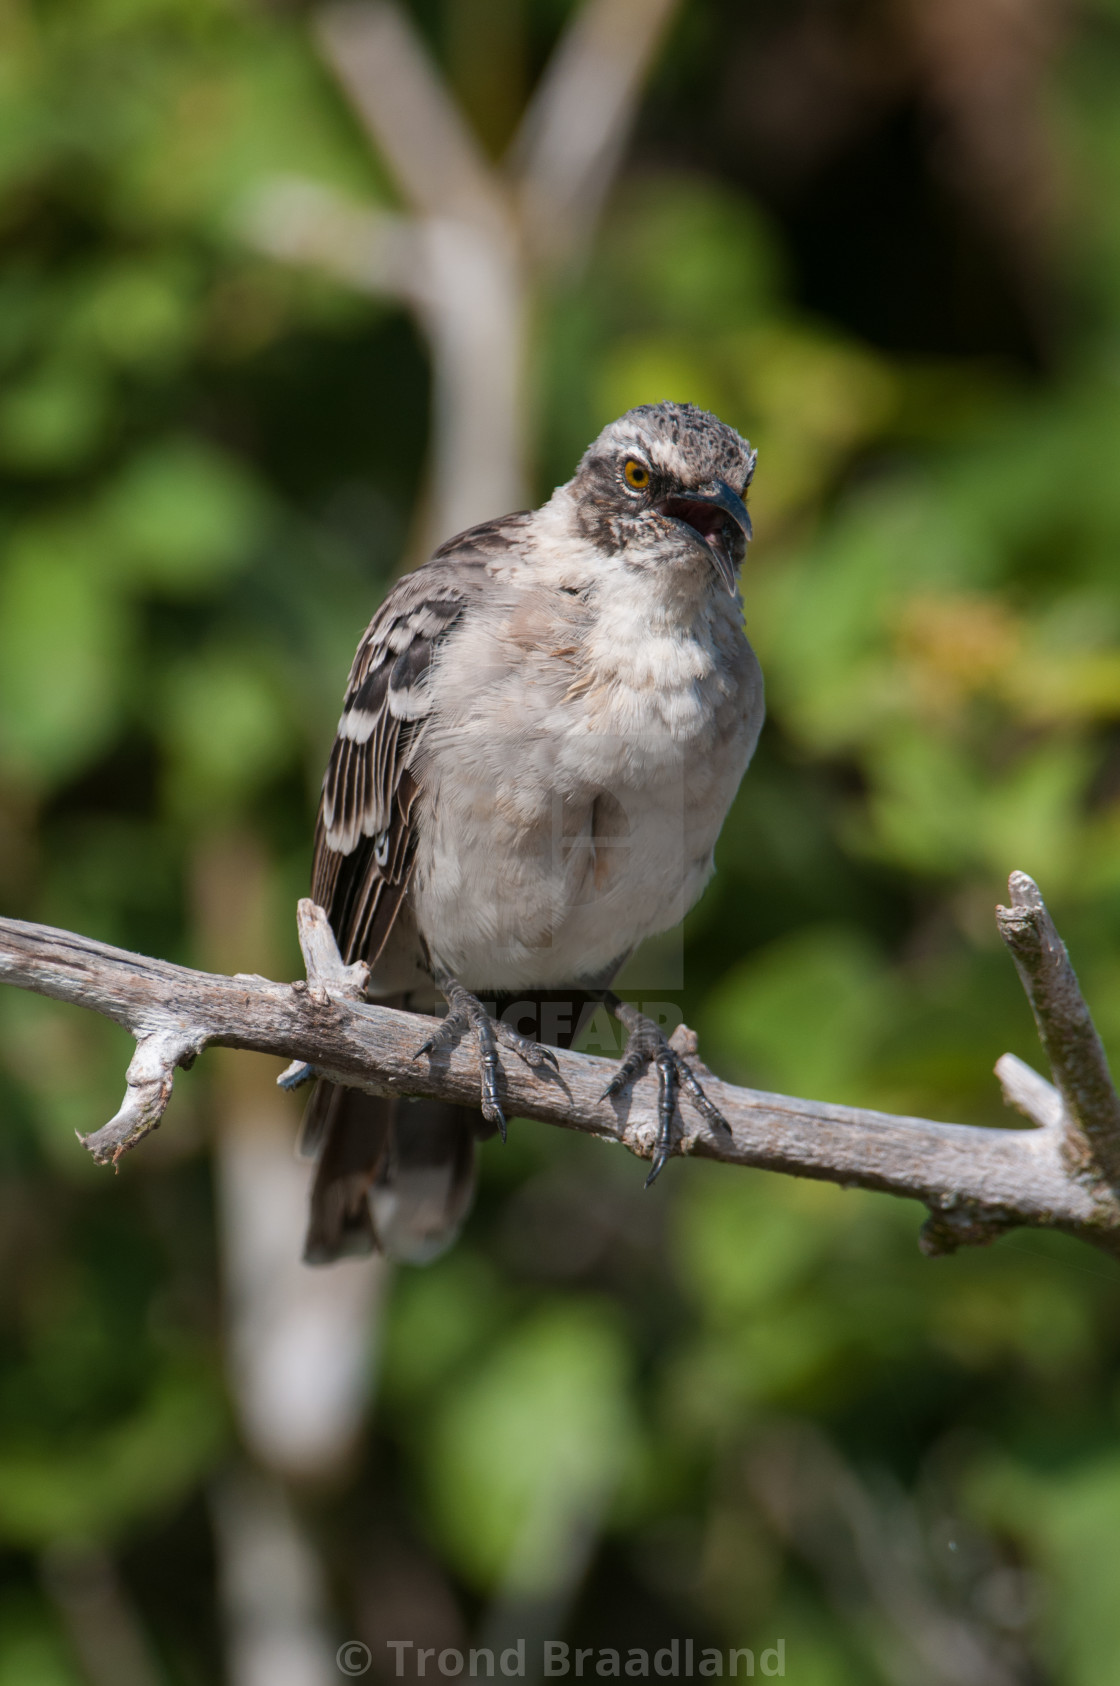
[(666, 482)]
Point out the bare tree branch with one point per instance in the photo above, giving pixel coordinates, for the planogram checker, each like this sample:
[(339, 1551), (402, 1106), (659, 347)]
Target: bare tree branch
[(567, 149), (467, 257), (1090, 1125), (463, 282), (570, 143), (327, 973), (408, 113), (303, 222), (456, 260), (1029, 1093), (976, 1182)]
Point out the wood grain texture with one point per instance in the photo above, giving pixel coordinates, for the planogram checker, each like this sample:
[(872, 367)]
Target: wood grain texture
[(1091, 1123), (976, 1182)]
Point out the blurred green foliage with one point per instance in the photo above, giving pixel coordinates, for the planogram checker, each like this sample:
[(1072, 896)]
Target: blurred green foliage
[(210, 469)]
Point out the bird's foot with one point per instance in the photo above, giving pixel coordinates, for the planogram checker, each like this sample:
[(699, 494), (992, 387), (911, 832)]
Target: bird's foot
[(466, 1012), (647, 1045)]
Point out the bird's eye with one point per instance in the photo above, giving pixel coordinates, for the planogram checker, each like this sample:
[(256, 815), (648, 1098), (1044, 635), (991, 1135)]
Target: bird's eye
[(637, 475)]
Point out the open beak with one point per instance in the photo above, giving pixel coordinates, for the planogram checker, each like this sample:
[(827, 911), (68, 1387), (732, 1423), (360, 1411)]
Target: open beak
[(718, 517)]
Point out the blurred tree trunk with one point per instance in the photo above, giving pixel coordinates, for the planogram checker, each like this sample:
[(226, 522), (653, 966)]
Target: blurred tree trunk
[(479, 238), (298, 1341)]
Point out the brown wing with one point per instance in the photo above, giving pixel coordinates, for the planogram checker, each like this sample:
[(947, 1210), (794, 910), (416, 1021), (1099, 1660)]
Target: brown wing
[(364, 838), (365, 845)]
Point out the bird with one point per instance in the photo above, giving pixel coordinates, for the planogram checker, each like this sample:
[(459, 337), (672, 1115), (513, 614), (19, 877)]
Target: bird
[(542, 732)]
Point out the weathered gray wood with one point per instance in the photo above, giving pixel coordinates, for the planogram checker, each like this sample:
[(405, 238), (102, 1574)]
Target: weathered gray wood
[(976, 1182), (327, 973), (1091, 1123), (1029, 1093)]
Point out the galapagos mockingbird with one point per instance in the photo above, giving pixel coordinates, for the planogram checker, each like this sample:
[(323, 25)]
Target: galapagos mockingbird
[(543, 730)]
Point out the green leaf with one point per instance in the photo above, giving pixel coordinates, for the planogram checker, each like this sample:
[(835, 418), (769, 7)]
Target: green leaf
[(803, 1015), (32, 1650), (182, 517), (134, 314), (133, 1470), (54, 420), (227, 731), (528, 1452), (64, 651), (1067, 1520)]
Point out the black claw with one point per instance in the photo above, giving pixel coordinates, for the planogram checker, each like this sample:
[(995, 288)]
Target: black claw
[(646, 1045), (491, 1104), (466, 1012), (632, 1066), (715, 1118), (659, 1163), (444, 1035), (703, 1105)]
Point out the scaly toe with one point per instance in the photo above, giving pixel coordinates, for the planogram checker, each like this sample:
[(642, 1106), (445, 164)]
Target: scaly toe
[(706, 1108), (445, 1035), (630, 1069), (533, 1053)]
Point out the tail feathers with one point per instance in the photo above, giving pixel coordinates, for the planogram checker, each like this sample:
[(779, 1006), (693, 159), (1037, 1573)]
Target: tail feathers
[(318, 1114), (392, 1175), (424, 1191), (354, 1130)]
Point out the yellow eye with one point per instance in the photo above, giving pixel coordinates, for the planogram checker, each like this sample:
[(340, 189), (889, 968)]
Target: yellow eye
[(637, 475)]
